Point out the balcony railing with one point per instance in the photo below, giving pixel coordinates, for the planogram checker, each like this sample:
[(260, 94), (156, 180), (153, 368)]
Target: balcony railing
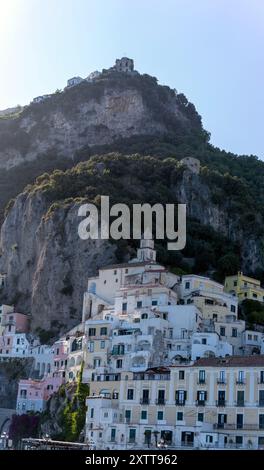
[(160, 401), (220, 403), (179, 402), (201, 382), (261, 380), (144, 401), (240, 381), (234, 427), (200, 402), (221, 381), (240, 403), (261, 403)]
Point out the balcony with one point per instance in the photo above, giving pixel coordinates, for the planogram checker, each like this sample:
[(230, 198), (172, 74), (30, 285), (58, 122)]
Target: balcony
[(221, 381), (240, 403), (201, 382), (220, 403), (234, 427), (144, 401), (200, 402), (160, 401), (261, 380), (179, 402), (240, 381)]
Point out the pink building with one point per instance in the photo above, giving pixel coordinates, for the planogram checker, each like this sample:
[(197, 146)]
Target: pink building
[(60, 357), (33, 394), (13, 339)]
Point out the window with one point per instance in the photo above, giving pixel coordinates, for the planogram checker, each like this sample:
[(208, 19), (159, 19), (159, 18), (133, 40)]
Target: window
[(132, 435), (127, 416), (241, 377), (8, 342), (160, 415), (96, 362), (181, 375), (119, 363), (234, 332), (249, 337), (221, 397), (201, 376), (91, 346), (102, 344), (130, 394), (92, 412), (233, 308), (103, 331), (255, 338), (187, 285), (154, 302), (261, 376), (113, 434), (204, 341), (179, 416), (261, 421), (139, 304), (222, 376), (144, 414), (124, 306), (240, 397), (261, 397), (235, 283), (180, 397), (255, 296), (239, 420), (115, 272), (200, 417), (209, 439), (92, 332), (201, 397), (222, 331), (18, 340)]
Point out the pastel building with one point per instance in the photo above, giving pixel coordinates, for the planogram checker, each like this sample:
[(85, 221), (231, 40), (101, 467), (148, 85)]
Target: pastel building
[(244, 287), (212, 403), (14, 340), (33, 394)]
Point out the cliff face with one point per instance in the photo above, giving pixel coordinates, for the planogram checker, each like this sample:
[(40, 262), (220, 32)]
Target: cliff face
[(47, 264), (113, 107), (10, 374)]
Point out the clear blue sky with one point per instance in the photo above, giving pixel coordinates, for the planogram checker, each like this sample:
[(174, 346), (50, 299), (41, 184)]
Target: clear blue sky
[(212, 50)]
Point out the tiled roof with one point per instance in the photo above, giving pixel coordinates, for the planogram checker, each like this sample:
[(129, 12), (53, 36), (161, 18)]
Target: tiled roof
[(231, 361)]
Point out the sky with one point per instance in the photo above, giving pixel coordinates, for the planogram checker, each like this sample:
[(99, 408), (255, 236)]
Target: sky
[(211, 50)]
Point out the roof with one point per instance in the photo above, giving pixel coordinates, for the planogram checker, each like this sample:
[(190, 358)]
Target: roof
[(231, 361)]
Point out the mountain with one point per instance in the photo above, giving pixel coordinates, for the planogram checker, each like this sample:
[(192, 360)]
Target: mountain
[(115, 106), (121, 135)]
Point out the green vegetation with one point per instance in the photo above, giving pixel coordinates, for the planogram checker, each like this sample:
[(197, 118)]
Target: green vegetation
[(253, 312), (72, 418)]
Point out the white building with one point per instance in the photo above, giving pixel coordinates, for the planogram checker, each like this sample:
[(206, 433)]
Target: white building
[(74, 81)]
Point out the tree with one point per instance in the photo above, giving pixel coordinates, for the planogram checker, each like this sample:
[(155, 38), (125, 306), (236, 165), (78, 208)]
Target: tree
[(23, 426)]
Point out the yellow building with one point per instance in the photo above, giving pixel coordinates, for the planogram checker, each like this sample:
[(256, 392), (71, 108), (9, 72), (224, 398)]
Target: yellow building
[(244, 287)]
